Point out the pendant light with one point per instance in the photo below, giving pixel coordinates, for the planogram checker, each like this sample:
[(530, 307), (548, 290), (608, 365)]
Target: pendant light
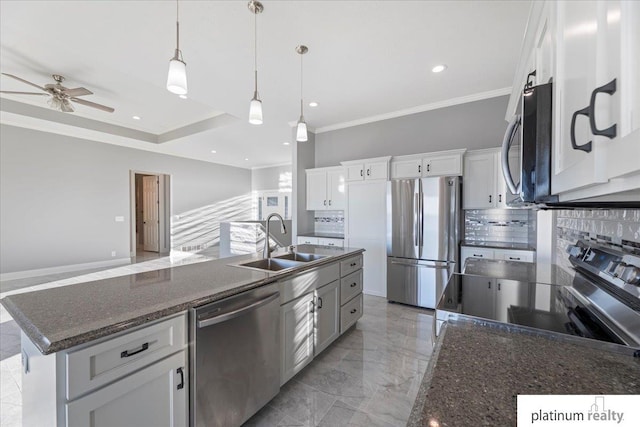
[(177, 78), (301, 132), (255, 108)]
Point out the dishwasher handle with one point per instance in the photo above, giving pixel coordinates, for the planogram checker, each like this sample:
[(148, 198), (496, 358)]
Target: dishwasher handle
[(214, 320)]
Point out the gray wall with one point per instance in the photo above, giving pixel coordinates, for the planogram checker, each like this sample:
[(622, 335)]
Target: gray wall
[(60, 196), (473, 125), (270, 178), (303, 158)]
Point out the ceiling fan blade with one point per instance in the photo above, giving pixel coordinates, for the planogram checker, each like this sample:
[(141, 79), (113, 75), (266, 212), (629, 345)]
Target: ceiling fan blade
[(79, 91), (93, 104), (24, 81), (23, 93)]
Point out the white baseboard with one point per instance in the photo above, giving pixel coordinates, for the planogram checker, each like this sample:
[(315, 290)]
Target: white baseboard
[(374, 293), (63, 269)]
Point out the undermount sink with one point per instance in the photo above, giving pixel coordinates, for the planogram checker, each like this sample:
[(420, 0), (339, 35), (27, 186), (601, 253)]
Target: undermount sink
[(271, 264), (301, 257)]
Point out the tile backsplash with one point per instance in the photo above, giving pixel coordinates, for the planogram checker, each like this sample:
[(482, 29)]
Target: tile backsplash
[(616, 226), (500, 225), (329, 222)]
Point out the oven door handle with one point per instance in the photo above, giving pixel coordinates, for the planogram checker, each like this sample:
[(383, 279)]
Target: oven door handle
[(509, 136)]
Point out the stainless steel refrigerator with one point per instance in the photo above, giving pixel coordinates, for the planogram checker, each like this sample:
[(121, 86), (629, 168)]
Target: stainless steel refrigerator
[(423, 223)]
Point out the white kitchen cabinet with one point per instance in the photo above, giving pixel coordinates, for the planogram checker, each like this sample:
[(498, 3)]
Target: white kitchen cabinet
[(296, 330), (155, 396), (479, 296), (325, 188), (367, 170), (443, 163), (514, 255), (325, 241), (596, 143), (305, 240), (484, 185), (327, 316), (138, 377)]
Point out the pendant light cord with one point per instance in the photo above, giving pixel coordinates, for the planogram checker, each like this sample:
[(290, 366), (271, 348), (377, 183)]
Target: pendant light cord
[(255, 48), (177, 26), (301, 77)]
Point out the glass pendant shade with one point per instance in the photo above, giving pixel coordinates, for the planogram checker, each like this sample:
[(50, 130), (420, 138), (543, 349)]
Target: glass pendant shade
[(301, 133), (255, 111), (177, 78)]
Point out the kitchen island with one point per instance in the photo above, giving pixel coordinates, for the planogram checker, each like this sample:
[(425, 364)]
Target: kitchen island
[(97, 352), (478, 369)]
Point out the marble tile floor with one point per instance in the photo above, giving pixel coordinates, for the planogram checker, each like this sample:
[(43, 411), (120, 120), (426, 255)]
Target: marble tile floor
[(368, 377)]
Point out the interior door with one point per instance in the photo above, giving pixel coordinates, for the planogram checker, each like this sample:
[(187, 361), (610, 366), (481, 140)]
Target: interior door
[(150, 214)]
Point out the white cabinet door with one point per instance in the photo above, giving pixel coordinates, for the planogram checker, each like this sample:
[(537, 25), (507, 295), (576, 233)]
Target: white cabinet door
[(336, 189), (354, 172), (304, 240), (504, 195), (514, 255), (442, 165), (479, 296), (323, 241), (474, 252), (411, 168), (376, 170), (316, 190), (296, 330), (479, 181), (510, 293), (327, 322), (155, 396)]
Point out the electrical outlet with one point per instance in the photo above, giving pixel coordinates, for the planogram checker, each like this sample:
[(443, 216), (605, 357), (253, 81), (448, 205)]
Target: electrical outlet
[(119, 219), (113, 253)]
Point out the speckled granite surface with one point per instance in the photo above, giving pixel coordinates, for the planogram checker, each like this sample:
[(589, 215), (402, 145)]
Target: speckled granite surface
[(59, 318), (499, 245), (323, 235), (476, 373)]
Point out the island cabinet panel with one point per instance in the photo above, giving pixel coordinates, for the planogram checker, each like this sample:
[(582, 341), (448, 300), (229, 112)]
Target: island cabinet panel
[(296, 330), (350, 313), (327, 312), (155, 397)]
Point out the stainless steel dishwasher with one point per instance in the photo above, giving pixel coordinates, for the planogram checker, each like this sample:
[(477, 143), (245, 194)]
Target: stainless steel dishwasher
[(235, 357)]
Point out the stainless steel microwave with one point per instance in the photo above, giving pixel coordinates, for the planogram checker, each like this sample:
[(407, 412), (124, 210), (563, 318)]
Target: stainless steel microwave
[(533, 128)]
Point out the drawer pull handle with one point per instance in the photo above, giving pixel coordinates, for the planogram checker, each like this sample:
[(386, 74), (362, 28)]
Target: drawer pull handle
[(477, 255), (331, 244), (353, 285), (353, 264), (129, 353), (353, 311), (181, 372), (319, 303), (514, 258)]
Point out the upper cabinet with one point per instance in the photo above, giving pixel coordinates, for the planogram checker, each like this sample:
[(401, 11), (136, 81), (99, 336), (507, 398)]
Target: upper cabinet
[(591, 52), (325, 188), (596, 93), (443, 163), (484, 186), (366, 170)]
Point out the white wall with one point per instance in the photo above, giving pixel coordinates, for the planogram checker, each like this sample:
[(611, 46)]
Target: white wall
[(473, 125), (273, 178), (60, 196)]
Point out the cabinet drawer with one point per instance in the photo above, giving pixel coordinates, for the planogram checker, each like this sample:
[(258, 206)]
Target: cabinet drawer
[(350, 286), (350, 313), (339, 243), (522, 256), (92, 367), (304, 240), (350, 265), (297, 286)]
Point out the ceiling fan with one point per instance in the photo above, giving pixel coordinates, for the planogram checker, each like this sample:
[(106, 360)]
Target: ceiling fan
[(60, 96)]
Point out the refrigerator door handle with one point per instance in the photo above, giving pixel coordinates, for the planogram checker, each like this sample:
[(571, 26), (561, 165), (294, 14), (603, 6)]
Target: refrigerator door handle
[(421, 216), (416, 227)]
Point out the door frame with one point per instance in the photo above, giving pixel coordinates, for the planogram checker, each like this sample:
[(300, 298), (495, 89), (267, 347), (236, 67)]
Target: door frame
[(164, 211)]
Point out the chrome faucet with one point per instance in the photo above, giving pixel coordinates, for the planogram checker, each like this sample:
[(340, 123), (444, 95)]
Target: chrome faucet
[(266, 253)]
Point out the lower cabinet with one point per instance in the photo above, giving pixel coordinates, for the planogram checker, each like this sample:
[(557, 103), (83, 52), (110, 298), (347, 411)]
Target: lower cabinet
[(327, 316), (155, 396), (502, 254), (296, 330)]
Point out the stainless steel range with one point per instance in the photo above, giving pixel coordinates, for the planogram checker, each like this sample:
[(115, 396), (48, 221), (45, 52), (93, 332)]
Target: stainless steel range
[(599, 300)]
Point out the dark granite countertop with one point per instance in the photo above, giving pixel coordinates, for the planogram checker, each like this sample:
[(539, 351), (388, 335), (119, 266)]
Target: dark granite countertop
[(521, 271), (59, 318), (322, 235), (499, 245), (476, 373)]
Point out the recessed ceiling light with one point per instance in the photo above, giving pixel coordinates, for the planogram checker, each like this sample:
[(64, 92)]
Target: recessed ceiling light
[(439, 68), (285, 143), (246, 158), (313, 104), (183, 96), (136, 117), (214, 151)]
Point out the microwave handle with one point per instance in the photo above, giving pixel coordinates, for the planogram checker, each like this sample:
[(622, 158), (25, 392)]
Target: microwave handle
[(509, 136)]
